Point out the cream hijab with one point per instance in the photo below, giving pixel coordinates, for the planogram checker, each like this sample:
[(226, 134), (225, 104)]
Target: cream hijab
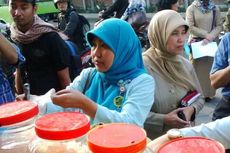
[(169, 67)]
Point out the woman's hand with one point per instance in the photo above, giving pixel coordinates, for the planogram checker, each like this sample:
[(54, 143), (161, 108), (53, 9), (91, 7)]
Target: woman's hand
[(205, 42), (209, 37), (188, 112), (68, 98), (22, 97), (174, 121), (158, 142), (74, 99)]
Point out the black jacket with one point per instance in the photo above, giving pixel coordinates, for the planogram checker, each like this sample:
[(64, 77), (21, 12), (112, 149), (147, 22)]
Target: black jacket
[(119, 7), (68, 22)]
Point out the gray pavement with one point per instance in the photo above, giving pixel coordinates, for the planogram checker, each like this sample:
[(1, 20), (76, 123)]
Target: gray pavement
[(205, 115)]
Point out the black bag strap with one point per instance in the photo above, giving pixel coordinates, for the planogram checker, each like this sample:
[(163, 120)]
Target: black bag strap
[(213, 19), (87, 81)]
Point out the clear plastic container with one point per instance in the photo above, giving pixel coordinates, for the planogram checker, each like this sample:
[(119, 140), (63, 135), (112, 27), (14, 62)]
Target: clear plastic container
[(118, 138), (62, 132), (17, 126)]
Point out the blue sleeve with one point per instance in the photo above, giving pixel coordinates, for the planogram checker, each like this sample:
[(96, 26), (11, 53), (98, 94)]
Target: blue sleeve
[(139, 100), (21, 58), (221, 59)]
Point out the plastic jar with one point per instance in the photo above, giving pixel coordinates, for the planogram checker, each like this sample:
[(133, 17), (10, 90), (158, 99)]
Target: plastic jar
[(17, 122), (62, 132), (118, 138), (192, 144)]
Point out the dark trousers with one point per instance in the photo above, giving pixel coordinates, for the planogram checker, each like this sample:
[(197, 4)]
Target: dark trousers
[(222, 108)]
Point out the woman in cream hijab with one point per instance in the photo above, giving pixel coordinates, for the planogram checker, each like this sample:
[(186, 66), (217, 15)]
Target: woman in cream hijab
[(174, 75)]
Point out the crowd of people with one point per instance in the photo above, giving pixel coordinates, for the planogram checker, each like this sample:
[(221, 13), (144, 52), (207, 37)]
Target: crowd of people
[(125, 85)]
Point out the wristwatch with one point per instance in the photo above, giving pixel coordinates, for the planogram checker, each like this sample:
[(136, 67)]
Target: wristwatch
[(174, 134)]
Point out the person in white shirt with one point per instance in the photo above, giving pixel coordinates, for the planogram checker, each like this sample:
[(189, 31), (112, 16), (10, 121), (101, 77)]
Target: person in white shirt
[(217, 130)]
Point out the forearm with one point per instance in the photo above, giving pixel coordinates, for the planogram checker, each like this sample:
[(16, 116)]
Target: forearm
[(197, 32), (220, 78), (217, 130), (18, 82), (158, 142), (89, 107), (64, 78), (7, 50), (215, 32)]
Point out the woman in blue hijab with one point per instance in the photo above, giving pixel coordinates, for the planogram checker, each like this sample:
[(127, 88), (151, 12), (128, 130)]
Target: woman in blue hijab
[(118, 89)]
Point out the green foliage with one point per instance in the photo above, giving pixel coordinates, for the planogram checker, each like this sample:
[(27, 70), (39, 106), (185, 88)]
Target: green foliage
[(5, 14)]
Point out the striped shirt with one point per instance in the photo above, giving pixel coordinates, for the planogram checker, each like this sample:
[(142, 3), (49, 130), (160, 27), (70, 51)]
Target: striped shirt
[(6, 94)]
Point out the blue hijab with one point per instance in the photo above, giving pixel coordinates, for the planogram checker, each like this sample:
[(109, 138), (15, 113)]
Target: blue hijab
[(120, 37)]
